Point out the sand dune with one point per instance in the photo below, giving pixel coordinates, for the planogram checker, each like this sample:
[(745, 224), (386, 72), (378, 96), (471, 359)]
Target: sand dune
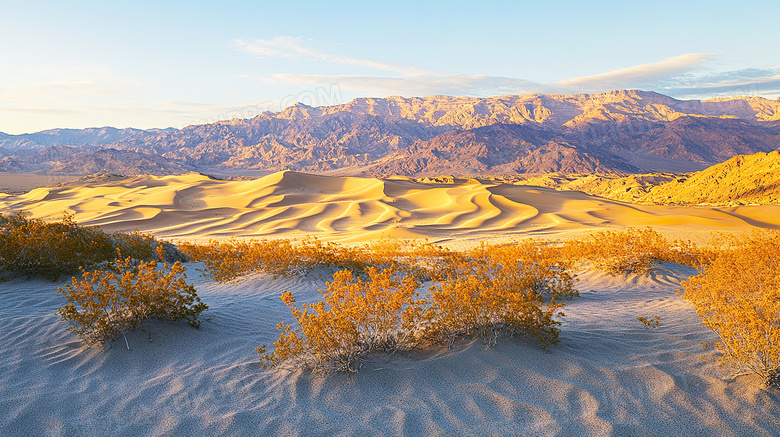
[(608, 376), (359, 209)]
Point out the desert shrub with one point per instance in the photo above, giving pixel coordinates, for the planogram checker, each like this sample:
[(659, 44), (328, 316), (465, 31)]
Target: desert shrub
[(32, 247), (650, 322), (488, 292), (529, 264), (511, 289), (227, 260), (356, 318), (424, 260), (105, 303), (738, 297), (634, 250), (489, 299)]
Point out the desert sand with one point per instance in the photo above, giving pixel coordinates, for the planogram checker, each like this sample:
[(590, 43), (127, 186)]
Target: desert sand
[(361, 209), (608, 375)]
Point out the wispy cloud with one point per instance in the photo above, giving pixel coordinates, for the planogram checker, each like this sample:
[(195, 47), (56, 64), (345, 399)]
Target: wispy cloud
[(686, 75), (397, 79), (757, 88), (82, 80), (637, 76), (417, 84), (298, 47), (62, 94), (749, 81)]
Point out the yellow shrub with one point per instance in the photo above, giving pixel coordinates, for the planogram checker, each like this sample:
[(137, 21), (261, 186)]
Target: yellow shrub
[(489, 299), (32, 247), (356, 318), (228, 260), (531, 265), (738, 296), (633, 250), (424, 260), (488, 292), (103, 304)]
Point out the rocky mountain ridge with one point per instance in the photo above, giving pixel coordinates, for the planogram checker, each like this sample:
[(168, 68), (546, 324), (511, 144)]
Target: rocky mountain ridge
[(625, 131)]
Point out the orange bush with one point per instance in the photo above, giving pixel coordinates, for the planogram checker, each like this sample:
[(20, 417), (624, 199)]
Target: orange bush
[(106, 303), (634, 250), (356, 318), (228, 260), (738, 296), (531, 265), (491, 291), (491, 296), (33, 247)]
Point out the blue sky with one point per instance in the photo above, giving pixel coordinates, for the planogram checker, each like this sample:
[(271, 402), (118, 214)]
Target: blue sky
[(170, 64)]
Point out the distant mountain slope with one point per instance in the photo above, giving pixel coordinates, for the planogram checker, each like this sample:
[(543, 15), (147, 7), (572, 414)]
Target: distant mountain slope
[(121, 162), (70, 137), (702, 141), (496, 150), (618, 131), (741, 180)]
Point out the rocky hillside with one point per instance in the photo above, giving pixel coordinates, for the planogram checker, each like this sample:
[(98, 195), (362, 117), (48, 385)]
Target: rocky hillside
[(122, 162), (741, 180), (619, 131), (503, 149), (69, 137)]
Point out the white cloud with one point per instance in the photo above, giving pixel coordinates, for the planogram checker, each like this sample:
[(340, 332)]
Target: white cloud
[(54, 82), (401, 80), (763, 82), (767, 88), (416, 84), (298, 47), (638, 76), (398, 79)]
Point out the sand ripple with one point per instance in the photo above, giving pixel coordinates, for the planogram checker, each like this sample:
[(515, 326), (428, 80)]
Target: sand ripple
[(360, 209), (608, 376)]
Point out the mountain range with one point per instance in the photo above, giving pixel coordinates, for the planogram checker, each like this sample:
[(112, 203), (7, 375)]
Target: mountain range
[(624, 131)]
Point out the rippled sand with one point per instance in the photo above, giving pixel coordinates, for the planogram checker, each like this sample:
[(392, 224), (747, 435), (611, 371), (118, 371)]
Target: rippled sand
[(608, 376), (361, 209)]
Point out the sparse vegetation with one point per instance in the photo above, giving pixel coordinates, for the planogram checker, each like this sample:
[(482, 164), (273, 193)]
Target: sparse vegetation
[(651, 322), (227, 260), (634, 250), (113, 294), (356, 317), (33, 247), (106, 303), (488, 292), (374, 302), (738, 297)]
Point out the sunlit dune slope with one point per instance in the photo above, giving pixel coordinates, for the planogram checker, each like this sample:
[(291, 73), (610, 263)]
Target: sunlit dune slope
[(742, 179), (357, 209)]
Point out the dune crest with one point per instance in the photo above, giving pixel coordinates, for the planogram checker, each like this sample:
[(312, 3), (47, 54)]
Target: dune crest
[(355, 209)]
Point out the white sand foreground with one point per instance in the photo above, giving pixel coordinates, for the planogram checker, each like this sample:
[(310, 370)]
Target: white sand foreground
[(608, 376)]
